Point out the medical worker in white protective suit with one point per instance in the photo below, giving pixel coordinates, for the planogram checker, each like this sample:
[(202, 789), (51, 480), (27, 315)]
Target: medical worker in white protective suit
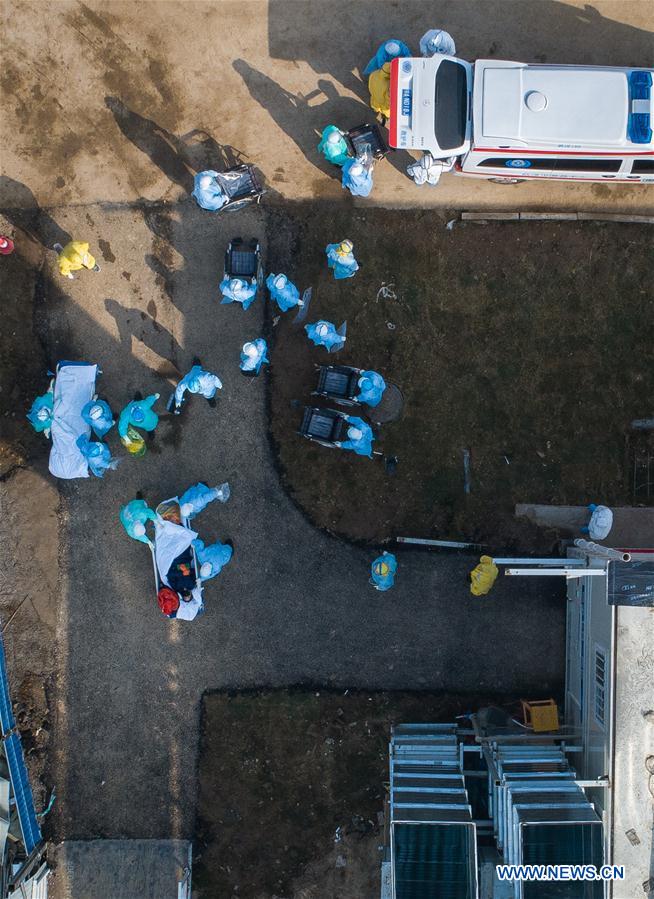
[(600, 524), (200, 381), (208, 192), (428, 170), (235, 290), (437, 41), (253, 355), (198, 497)]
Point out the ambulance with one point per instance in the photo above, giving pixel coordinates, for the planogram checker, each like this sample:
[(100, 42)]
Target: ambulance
[(512, 121)]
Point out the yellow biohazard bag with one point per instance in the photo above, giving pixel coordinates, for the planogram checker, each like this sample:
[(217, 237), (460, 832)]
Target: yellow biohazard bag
[(134, 442)]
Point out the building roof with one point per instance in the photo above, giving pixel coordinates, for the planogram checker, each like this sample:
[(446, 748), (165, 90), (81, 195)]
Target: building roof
[(630, 749), (516, 104), (633, 782)]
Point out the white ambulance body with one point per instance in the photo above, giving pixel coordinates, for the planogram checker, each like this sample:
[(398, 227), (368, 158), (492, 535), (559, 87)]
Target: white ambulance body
[(509, 121)]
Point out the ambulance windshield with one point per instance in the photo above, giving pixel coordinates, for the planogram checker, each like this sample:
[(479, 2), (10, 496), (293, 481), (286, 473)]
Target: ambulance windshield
[(451, 105)]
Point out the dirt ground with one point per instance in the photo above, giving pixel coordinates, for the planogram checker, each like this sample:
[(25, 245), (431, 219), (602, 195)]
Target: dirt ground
[(262, 78), (292, 789), (528, 344)]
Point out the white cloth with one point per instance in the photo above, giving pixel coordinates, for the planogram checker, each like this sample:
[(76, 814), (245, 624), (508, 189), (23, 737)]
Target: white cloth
[(188, 610), (600, 524), (170, 541), (74, 388)]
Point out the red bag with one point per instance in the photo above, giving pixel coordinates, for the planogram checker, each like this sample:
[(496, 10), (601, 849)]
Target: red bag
[(168, 601)]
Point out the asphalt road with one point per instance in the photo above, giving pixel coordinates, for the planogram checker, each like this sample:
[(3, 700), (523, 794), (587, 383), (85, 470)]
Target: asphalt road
[(294, 606)]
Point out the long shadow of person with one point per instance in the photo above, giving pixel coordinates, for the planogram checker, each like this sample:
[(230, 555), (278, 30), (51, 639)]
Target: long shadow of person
[(25, 213), (299, 115), (178, 157), (160, 145), (132, 322), (200, 150), (165, 274)]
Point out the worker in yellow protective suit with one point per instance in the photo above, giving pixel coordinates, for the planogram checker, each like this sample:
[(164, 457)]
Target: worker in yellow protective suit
[(483, 576), (75, 256), (379, 85)]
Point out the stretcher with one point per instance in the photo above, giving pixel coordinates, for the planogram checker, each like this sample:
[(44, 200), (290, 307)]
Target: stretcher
[(74, 387)]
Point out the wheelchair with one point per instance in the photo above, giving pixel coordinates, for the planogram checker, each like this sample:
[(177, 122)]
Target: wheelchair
[(243, 261), (323, 426), (339, 383), (370, 135), (240, 185)]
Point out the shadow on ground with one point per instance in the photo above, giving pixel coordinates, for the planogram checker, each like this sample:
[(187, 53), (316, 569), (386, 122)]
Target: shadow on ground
[(548, 31)]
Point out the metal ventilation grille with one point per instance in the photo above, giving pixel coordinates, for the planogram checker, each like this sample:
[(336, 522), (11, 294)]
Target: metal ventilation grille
[(541, 816), (433, 836)]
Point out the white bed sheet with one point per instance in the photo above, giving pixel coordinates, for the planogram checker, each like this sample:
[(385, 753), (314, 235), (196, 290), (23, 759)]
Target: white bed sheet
[(170, 541), (74, 388)]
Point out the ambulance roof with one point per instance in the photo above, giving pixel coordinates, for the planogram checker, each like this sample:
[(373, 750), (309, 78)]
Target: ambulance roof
[(522, 105)]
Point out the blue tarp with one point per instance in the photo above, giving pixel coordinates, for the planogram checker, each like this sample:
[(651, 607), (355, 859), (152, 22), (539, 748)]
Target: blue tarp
[(22, 791)]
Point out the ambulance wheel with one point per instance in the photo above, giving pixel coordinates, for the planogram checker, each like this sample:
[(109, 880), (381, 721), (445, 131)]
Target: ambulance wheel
[(507, 180)]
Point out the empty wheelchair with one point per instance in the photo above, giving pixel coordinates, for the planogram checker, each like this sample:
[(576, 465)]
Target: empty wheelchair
[(339, 383), (365, 138), (243, 261), (323, 426)]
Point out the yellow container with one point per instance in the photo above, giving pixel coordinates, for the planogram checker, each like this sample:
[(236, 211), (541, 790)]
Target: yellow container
[(541, 715)]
